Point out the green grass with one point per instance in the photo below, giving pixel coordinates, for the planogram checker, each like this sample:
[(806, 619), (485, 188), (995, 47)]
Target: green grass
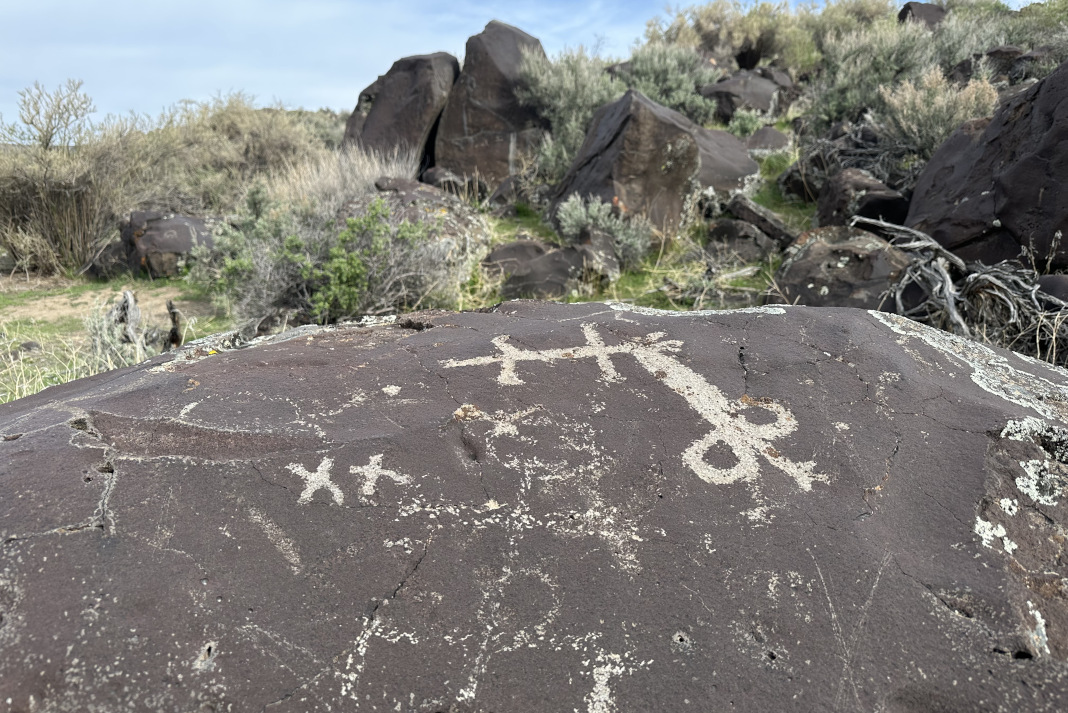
[(796, 214), (526, 220)]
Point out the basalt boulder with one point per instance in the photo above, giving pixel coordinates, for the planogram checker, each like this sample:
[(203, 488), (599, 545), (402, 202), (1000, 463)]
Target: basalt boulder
[(738, 241), (927, 13), (358, 117), (484, 130), (852, 192), (840, 267), (409, 100), (744, 90), (159, 242), (543, 507), (995, 186), (650, 158)]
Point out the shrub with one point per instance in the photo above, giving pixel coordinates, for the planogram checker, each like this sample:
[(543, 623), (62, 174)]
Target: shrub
[(66, 182), (632, 234), (670, 75), (289, 256), (746, 122), (924, 114), (565, 91)]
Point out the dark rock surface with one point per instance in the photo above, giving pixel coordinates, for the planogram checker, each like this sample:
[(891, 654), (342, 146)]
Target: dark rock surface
[(531, 268), (837, 266), (648, 156), (743, 241), (767, 138), (472, 187), (852, 192), (410, 97), (156, 242), (745, 208), (996, 186), (548, 507), (744, 90), (484, 130), (358, 117), (927, 13)]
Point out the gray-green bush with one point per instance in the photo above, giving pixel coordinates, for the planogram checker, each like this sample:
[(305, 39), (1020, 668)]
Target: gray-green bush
[(566, 91), (670, 75), (632, 234)]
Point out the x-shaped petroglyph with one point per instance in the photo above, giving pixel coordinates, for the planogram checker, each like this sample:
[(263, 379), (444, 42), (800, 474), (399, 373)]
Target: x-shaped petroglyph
[(372, 472), (749, 442), (313, 482)]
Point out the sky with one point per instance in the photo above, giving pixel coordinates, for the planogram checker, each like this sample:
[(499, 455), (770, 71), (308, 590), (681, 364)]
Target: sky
[(147, 55)]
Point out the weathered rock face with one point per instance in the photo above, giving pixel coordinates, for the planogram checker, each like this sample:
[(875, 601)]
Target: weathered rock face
[(156, 242), (409, 101), (738, 240), (531, 268), (745, 208), (548, 507), (358, 117), (744, 90), (927, 13), (853, 191), (840, 267), (484, 130), (767, 138), (995, 187), (648, 157)]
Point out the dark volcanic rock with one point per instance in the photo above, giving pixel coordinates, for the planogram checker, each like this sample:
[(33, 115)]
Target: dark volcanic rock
[(484, 130), (743, 241), (157, 242), (744, 90), (648, 156), (358, 117), (852, 192), (927, 13), (410, 97), (531, 268), (745, 208), (767, 138), (840, 267), (544, 508), (996, 186)]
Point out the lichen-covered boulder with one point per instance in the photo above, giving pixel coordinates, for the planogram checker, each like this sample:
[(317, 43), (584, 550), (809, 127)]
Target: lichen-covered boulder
[(545, 507)]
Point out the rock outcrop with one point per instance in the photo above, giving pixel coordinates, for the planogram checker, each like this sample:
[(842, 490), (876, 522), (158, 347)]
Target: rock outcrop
[(409, 100), (744, 90), (484, 130), (996, 186), (853, 191), (837, 266), (649, 158), (157, 242), (546, 507)]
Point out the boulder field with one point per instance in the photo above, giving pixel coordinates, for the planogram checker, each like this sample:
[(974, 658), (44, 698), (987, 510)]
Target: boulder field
[(543, 507)]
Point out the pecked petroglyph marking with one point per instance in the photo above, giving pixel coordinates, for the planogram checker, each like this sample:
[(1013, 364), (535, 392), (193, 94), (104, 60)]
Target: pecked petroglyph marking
[(750, 443), (277, 537), (314, 482), (372, 472)]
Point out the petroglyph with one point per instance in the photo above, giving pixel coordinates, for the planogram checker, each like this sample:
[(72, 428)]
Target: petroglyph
[(750, 443), (372, 472), (278, 538), (314, 482)]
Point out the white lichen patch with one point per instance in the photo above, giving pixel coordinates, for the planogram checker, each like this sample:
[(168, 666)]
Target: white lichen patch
[(1009, 506), (391, 390), (989, 532), (1039, 639), (653, 312), (1040, 484), (839, 426), (990, 371)]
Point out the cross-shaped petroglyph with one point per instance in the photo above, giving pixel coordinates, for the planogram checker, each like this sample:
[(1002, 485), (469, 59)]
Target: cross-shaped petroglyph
[(313, 482), (372, 472), (750, 443)]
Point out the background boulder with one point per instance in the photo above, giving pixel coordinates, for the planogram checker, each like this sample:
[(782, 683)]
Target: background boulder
[(484, 130), (156, 242), (410, 97), (996, 186)]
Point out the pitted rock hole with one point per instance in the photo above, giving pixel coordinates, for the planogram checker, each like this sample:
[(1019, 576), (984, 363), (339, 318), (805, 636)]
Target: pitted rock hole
[(681, 642)]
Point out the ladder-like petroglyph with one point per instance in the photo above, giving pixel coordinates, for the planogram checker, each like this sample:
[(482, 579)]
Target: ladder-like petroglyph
[(749, 442)]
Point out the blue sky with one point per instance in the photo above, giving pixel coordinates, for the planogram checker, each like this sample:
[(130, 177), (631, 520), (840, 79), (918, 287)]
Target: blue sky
[(143, 56)]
